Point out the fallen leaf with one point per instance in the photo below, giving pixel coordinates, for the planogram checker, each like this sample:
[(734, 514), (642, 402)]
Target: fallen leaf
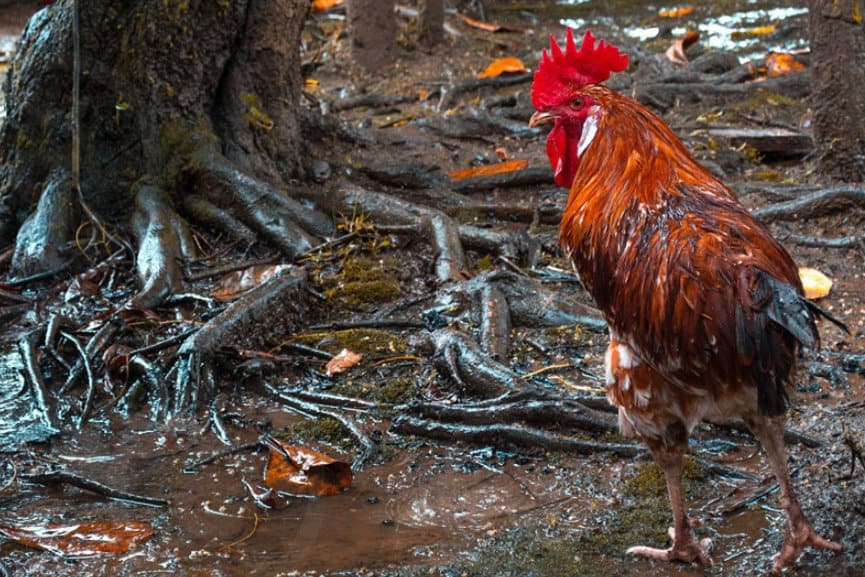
[(507, 65), (238, 282), (80, 539), (322, 5), (816, 285), (341, 362), (782, 64), (752, 32), (489, 169), (502, 153), (301, 471), (676, 12), (676, 53), (488, 26)]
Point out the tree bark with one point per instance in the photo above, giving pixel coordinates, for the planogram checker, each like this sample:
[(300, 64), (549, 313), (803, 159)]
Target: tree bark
[(187, 104), (837, 82), (432, 19)]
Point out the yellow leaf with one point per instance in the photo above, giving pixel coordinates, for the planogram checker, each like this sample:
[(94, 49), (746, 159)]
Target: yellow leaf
[(752, 32), (489, 169), (676, 12), (488, 26), (310, 83), (498, 67), (815, 284)]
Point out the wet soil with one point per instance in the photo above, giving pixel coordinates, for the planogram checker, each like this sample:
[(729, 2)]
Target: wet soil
[(427, 508)]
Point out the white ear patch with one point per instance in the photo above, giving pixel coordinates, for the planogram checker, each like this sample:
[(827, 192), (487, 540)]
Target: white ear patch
[(590, 129)]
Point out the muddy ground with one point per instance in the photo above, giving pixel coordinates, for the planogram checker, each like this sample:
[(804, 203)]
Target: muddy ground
[(438, 508)]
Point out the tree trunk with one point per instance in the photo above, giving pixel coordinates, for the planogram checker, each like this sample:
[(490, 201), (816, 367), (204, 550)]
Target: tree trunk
[(432, 19), (372, 29), (192, 104), (838, 81)]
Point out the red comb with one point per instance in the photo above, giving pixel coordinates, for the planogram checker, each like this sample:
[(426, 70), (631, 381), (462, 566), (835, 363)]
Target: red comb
[(564, 71)]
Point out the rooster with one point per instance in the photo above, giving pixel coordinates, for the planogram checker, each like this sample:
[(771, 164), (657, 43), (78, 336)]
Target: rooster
[(705, 308)]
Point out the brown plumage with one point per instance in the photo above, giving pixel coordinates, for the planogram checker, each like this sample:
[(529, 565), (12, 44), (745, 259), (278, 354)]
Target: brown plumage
[(705, 308)]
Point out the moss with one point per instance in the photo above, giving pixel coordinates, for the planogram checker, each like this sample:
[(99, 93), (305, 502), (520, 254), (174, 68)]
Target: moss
[(255, 114), (485, 263), (324, 430), (366, 341), (648, 480), (391, 391), (363, 282)]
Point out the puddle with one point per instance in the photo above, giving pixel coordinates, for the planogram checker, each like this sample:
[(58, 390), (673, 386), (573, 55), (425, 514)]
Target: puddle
[(640, 22)]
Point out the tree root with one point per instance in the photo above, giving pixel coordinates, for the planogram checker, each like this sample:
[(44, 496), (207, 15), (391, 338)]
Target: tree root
[(44, 241), (263, 315), (164, 243), (65, 477), (460, 357), (819, 203), (450, 95), (520, 436), (440, 228)]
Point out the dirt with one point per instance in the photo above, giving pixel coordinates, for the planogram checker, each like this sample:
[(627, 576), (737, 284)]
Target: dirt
[(428, 508)]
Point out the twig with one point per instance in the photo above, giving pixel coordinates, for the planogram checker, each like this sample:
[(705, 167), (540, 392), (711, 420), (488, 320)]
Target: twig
[(12, 479), (472, 84), (194, 467), (91, 385), (752, 498), (33, 374), (165, 343), (216, 423), (54, 477), (246, 537), (368, 324), (209, 273), (723, 470)]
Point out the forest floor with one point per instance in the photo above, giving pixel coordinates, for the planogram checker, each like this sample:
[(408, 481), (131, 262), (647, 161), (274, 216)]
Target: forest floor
[(440, 508)]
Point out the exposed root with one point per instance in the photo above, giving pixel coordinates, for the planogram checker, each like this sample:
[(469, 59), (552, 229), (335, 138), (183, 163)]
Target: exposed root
[(495, 323), (460, 357), (518, 435), (45, 240), (164, 243), (67, 478), (262, 315), (441, 229), (852, 241), (819, 203), (450, 95)]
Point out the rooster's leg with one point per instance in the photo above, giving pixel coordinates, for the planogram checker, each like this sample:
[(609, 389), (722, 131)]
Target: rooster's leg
[(685, 546), (769, 431)]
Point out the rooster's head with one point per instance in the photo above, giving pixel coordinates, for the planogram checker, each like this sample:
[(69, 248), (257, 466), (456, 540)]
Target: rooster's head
[(557, 97)]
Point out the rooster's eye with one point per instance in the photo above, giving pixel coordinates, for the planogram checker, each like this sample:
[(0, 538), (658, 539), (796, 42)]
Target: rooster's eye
[(577, 103)]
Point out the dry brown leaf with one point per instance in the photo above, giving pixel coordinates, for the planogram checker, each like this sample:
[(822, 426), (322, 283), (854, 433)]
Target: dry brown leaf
[(502, 153), (488, 26), (506, 65), (341, 362), (80, 539), (676, 53), (815, 284), (301, 471), (238, 282), (782, 64), (676, 12), (752, 32), (489, 169), (322, 5)]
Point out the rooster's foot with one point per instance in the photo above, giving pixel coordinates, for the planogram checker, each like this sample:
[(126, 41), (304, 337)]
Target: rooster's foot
[(687, 549), (797, 539)]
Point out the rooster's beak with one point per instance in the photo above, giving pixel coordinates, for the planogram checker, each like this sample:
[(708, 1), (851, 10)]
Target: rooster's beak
[(541, 118)]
